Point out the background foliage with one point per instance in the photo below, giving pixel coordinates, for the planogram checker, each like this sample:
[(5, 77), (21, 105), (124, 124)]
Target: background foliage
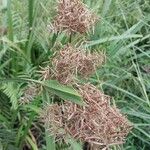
[(123, 33)]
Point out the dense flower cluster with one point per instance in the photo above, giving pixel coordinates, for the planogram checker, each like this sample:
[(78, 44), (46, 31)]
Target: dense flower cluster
[(29, 94), (71, 61), (96, 123), (73, 16)]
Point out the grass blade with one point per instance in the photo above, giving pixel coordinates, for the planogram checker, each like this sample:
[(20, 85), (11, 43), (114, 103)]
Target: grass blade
[(113, 38), (50, 143), (64, 92), (10, 21)]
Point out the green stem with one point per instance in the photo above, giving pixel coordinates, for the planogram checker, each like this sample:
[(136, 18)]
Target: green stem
[(29, 42), (10, 22), (30, 17), (70, 38), (10, 34), (26, 130)]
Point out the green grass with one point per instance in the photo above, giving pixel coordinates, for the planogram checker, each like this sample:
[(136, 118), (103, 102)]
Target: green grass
[(123, 33)]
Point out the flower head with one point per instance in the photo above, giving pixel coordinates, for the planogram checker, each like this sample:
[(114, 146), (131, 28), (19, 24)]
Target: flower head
[(71, 61), (29, 94), (73, 16), (97, 123)]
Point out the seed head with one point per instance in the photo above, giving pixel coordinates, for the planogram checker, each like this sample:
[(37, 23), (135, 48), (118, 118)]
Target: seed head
[(45, 73), (29, 94), (97, 123), (53, 119), (72, 61), (73, 16)]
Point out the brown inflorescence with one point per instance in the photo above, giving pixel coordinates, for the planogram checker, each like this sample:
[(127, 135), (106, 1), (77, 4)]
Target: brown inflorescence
[(3, 31), (73, 16), (46, 73), (53, 119), (71, 61), (29, 94), (97, 122)]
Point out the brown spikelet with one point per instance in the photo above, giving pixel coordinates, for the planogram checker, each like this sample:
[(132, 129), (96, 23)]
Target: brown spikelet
[(29, 94), (92, 95), (53, 119), (89, 62), (96, 123), (71, 61), (45, 72), (73, 16), (3, 30)]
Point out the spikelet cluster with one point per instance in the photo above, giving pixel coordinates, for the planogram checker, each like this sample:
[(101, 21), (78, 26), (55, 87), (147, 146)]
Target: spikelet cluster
[(71, 61), (29, 94), (73, 16), (52, 118), (96, 123), (3, 31), (45, 72)]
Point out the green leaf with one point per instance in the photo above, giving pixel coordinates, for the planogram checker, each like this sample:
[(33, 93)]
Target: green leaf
[(125, 91), (33, 145), (64, 92), (3, 4), (50, 143), (34, 108), (3, 119), (26, 130), (74, 144), (13, 92), (1, 146), (106, 7), (112, 38), (10, 21)]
